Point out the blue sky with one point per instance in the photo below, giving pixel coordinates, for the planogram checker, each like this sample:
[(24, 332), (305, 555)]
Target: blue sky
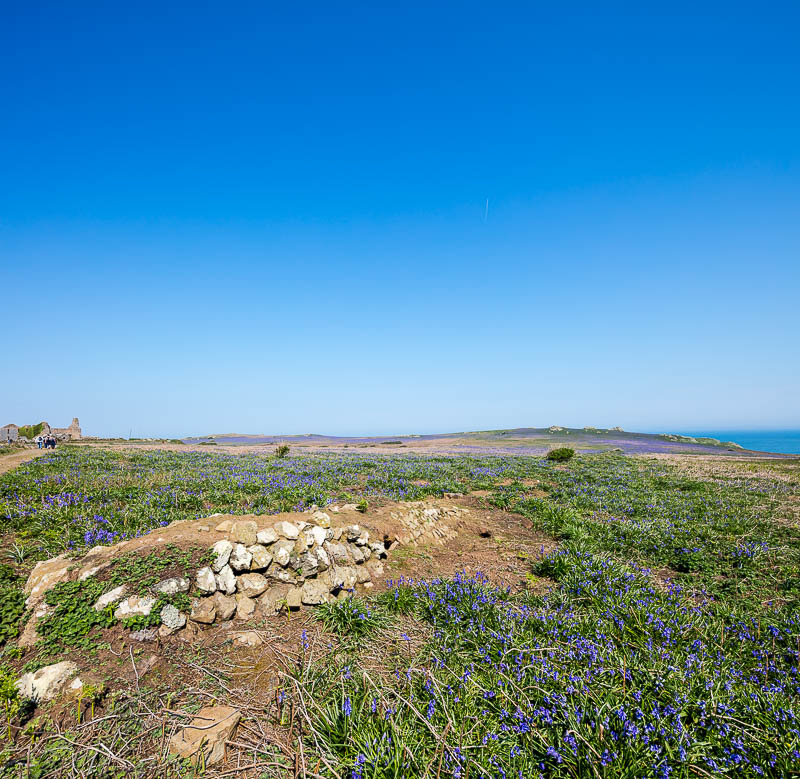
[(272, 217)]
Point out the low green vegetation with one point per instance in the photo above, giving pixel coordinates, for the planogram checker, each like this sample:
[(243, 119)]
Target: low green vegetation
[(662, 638), (31, 431), (560, 455)]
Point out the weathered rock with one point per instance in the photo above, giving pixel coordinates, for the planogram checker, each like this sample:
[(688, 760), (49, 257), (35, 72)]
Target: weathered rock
[(266, 537), (338, 553), (29, 635), (46, 683), (261, 557), (204, 740), (279, 575), (251, 584), (44, 576), (337, 533), (294, 598), (358, 554), (222, 553), (362, 574), (226, 581), (134, 606), (378, 548), (225, 605), (286, 529), (224, 526), (145, 634), (245, 607), (319, 534), (172, 618), (345, 577), (314, 592), (244, 532), (350, 507), (173, 586), (204, 610), (205, 580), (249, 638), (309, 565), (282, 552), (323, 559), (305, 540), (321, 518), (240, 558), (363, 539), (110, 598), (353, 533), (375, 568), (272, 600)]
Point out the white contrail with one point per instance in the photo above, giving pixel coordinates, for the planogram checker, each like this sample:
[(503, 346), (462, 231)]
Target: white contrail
[(486, 214)]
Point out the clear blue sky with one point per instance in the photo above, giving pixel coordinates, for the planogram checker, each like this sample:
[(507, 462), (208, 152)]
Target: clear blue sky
[(220, 217)]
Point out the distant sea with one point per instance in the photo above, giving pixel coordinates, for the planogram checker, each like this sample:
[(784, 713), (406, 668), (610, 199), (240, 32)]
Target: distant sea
[(784, 441)]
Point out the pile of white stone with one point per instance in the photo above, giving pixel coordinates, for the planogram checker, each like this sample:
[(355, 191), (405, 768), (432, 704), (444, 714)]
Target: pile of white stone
[(264, 570)]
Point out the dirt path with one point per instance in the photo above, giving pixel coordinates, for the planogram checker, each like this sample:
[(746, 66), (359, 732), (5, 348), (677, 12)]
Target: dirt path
[(11, 461)]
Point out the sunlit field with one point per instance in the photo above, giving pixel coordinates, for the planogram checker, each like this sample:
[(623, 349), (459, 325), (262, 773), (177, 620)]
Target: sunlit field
[(659, 635)]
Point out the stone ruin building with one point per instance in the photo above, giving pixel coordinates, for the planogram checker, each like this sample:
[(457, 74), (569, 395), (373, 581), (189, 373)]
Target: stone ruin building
[(10, 432)]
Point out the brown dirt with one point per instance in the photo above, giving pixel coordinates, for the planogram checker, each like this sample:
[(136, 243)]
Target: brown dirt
[(10, 461)]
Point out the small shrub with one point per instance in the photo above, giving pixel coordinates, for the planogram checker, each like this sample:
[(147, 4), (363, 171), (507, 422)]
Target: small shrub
[(362, 506), (282, 451), (561, 454)]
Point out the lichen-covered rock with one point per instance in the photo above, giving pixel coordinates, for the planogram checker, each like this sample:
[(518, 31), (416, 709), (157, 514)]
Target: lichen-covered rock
[(45, 575), (287, 530), (282, 552), (224, 526), (261, 557), (280, 575), (172, 618), (266, 537), (378, 548), (322, 519), (294, 598), (338, 553), (244, 532), (314, 592), (134, 606), (173, 586), (323, 559), (309, 565), (363, 538), (204, 610), (225, 605), (226, 581), (358, 554), (205, 580), (46, 683), (240, 558), (245, 607), (251, 584), (353, 533), (222, 553), (362, 574), (319, 534), (272, 600), (110, 598)]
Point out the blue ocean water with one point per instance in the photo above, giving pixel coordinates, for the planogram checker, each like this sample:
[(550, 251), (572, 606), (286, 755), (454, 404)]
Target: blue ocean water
[(783, 441)]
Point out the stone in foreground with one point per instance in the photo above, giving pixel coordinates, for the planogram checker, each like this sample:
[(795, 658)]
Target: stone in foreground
[(46, 683), (206, 735)]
